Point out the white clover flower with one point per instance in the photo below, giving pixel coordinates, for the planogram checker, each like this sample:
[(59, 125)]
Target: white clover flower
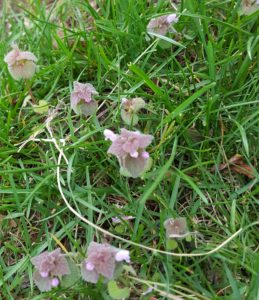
[(82, 101), (21, 64), (129, 148), (130, 108), (101, 260), (162, 25), (48, 266), (176, 228)]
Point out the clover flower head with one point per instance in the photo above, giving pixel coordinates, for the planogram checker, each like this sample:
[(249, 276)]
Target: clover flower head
[(21, 64), (248, 7), (130, 108), (176, 228), (49, 266), (82, 101), (101, 260), (161, 25), (129, 148)]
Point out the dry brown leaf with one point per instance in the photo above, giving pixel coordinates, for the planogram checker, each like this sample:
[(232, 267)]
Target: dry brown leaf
[(236, 164), (236, 159), (11, 222), (244, 169)]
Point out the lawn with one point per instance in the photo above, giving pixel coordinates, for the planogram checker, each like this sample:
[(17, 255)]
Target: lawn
[(59, 188)]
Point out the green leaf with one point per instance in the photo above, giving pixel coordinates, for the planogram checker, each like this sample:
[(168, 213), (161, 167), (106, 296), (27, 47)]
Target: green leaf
[(129, 269), (153, 185), (73, 277), (244, 137), (166, 39), (164, 44), (141, 74), (195, 187), (179, 109), (188, 238), (117, 293), (41, 108), (120, 228), (233, 283), (171, 244)]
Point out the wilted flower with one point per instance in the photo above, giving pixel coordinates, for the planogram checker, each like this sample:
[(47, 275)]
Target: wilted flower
[(49, 266), (161, 25), (176, 228), (249, 6), (129, 148), (21, 64), (148, 290), (82, 101), (125, 218), (101, 260), (130, 108)]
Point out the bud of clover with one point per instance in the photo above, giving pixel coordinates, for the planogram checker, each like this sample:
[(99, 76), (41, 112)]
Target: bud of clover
[(130, 108), (82, 101), (101, 261), (161, 25), (176, 228), (21, 64), (49, 267), (129, 148)]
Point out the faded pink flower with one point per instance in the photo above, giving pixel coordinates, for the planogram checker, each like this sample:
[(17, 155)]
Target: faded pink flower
[(101, 260), (161, 25), (129, 148), (117, 220), (82, 101), (130, 108), (176, 228), (21, 64), (49, 266), (248, 7)]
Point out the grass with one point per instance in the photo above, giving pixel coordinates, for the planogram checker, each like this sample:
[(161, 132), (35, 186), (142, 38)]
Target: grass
[(202, 96)]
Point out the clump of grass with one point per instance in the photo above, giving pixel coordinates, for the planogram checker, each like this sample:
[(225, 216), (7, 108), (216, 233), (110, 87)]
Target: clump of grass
[(201, 107)]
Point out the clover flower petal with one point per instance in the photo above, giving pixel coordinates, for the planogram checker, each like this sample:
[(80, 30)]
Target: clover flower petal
[(21, 64), (55, 282), (135, 166), (89, 275), (122, 255), (109, 135), (44, 284), (82, 101)]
